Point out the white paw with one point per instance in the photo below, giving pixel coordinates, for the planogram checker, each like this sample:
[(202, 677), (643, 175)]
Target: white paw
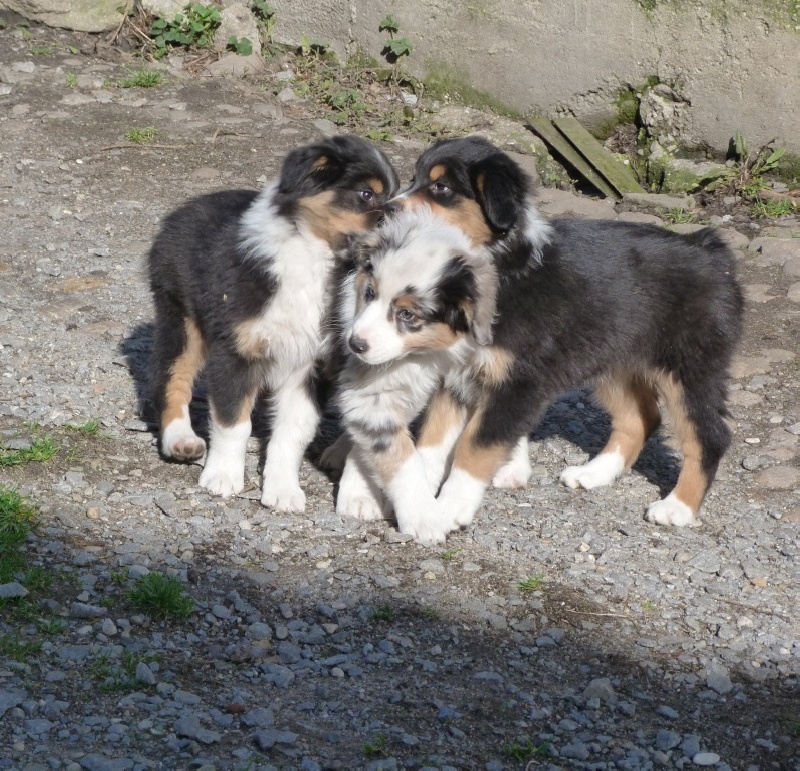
[(283, 496), (460, 499), (513, 475), (184, 448), (178, 441), (333, 458), (222, 478), (428, 529), (600, 470), (670, 511), (363, 507)]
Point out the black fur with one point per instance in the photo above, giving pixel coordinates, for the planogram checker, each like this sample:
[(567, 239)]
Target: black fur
[(205, 274), (591, 299)]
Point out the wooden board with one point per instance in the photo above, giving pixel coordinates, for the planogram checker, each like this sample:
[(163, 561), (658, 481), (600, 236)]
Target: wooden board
[(558, 142), (619, 176)]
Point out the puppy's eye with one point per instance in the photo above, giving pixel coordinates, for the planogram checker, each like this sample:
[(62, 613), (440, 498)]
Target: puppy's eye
[(367, 196), (404, 314), (369, 294), (439, 188)]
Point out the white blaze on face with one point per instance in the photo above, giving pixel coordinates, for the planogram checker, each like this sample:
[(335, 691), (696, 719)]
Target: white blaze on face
[(375, 326), (420, 247)]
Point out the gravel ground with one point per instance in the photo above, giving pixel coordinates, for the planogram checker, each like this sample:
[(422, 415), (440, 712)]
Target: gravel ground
[(319, 643)]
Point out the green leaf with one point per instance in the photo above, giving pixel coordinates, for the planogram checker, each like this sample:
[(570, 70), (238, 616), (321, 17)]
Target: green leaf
[(776, 156), (388, 24), (245, 47)]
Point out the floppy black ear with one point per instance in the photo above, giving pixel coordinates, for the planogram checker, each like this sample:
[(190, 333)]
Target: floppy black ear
[(501, 187), (310, 168), (468, 289)]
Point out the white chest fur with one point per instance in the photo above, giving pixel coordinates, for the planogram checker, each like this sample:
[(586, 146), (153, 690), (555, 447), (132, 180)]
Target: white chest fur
[(288, 330)]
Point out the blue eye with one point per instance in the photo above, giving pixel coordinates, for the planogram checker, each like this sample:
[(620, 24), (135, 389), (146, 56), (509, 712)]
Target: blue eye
[(404, 314), (369, 294)]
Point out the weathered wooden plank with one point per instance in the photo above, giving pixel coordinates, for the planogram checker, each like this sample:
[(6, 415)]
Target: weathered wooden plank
[(619, 176), (544, 128)]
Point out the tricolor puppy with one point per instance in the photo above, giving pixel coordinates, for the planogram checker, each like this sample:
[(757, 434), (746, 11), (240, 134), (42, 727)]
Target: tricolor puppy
[(416, 311), (633, 312), (241, 282)]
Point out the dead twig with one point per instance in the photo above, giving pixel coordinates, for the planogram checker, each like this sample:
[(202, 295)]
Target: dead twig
[(110, 40)]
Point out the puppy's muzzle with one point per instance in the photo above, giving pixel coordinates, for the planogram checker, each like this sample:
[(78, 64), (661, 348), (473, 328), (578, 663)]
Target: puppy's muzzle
[(358, 344)]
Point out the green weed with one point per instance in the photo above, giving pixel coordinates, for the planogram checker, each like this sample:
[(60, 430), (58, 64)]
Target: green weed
[(242, 46), (50, 626), (119, 577), (774, 207), (450, 554), (72, 80), (161, 596), (140, 136), (374, 747), (378, 135), (265, 16), (532, 583), (142, 78), (677, 216), (92, 427), (194, 28), (41, 50), (12, 647), (384, 613), (523, 751), (42, 449)]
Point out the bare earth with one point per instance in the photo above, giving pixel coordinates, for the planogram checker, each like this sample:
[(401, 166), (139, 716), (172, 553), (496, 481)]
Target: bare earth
[(326, 644)]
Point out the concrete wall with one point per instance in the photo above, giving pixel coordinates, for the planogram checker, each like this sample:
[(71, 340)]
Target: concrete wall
[(737, 62)]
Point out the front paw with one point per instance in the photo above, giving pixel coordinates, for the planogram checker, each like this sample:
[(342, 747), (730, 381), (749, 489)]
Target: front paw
[(428, 531), (601, 470), (363, 507), (222, 478), (671, 511), (460, 499), (283, 496), (514, 475)]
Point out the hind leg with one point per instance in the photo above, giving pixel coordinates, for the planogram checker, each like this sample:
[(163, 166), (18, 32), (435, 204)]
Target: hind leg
[(697, 411), (178, 355), (233, 385), (633, 405)]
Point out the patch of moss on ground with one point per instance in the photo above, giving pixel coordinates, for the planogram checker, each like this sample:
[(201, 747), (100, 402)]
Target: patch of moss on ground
[(442, 81)]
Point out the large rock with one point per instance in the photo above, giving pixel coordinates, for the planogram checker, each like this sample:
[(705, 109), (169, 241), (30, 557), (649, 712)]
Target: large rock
[(80, 15), (239, 22), (164, 9)]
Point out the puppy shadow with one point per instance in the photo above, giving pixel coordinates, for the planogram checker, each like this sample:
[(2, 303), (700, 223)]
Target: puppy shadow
[(577, 419), (572, 417)]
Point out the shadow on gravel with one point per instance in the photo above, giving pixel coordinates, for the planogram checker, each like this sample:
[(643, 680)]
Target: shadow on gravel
[(443, 685), (573, 418)]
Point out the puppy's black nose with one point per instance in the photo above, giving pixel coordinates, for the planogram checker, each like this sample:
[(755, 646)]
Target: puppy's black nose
[(357, 344)]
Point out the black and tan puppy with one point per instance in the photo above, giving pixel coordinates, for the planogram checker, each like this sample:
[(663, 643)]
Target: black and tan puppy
[(241, 281), (633, 312)]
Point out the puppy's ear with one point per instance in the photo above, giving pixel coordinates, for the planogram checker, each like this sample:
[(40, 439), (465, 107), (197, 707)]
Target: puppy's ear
[(501, 187), (310, 168), (468, 288)]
